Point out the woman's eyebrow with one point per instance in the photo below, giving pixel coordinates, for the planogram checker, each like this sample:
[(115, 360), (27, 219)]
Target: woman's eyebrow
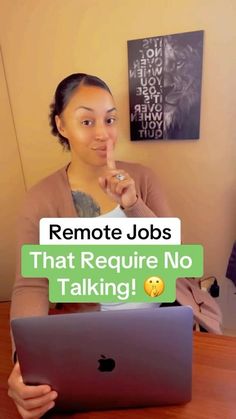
[(84, 107), (92, 110)]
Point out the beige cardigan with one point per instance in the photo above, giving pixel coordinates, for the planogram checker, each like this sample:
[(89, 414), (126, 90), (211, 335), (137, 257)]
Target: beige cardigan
[(52, 198)]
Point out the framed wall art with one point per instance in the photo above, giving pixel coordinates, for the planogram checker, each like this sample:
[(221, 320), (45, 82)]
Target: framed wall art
[(165, 74)]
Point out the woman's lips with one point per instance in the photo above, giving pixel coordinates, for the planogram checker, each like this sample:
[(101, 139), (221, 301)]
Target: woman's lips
[(100, 151)]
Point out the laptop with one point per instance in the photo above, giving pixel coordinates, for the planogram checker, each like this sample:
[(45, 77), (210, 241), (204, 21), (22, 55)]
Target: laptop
[(109, 359)]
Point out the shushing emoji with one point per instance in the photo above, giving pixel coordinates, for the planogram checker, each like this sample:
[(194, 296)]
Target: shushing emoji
[(154, 286)]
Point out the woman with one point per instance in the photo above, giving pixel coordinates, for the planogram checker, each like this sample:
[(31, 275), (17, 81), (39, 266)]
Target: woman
[(84, 118)]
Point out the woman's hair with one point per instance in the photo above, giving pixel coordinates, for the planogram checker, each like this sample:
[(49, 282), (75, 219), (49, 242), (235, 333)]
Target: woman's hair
[(64, 91)]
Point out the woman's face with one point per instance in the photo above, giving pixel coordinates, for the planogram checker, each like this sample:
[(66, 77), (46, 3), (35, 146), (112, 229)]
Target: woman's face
[(88, 121)]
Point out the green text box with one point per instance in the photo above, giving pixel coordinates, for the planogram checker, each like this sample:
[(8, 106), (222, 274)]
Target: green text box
[(111, 273)]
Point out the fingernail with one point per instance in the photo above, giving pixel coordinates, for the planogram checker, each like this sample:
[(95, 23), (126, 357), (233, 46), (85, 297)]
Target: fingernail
[(54, 395), (51, 405)]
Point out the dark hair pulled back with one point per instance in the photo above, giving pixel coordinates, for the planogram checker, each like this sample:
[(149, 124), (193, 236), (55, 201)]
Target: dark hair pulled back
[(63, 93)]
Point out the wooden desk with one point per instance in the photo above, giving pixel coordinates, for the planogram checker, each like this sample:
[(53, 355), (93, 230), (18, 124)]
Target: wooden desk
[(214, 382)]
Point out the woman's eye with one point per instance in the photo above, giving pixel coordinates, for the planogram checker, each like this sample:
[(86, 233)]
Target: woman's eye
[(87, 122), (111, 121)]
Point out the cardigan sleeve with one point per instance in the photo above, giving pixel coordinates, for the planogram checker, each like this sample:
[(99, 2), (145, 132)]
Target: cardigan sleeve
[(29, 295), (152, 201)]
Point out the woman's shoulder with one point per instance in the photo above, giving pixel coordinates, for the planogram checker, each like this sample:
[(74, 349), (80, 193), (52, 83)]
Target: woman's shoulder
[(45, 195), (49, 184)]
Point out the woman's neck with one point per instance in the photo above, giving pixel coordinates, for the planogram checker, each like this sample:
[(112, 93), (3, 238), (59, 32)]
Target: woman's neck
[(81, 173)]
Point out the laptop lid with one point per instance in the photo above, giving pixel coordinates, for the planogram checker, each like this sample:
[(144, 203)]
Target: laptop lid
[(107, 360)]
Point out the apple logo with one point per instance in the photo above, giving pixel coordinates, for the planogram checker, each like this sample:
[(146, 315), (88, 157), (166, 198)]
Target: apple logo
[(106, 364)]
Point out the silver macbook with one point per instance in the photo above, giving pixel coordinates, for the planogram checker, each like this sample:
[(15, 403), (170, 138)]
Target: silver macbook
[(110, 359)]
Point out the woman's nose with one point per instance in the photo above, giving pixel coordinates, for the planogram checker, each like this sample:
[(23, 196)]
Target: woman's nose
[(101, 132)]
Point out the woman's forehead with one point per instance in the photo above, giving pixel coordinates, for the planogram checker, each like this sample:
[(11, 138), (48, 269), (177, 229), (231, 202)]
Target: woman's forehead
[(92, 97)]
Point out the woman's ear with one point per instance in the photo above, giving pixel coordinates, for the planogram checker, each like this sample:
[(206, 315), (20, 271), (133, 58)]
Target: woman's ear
[(59, 125)]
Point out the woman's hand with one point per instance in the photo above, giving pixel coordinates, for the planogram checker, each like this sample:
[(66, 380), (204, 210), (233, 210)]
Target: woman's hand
[(117, 183), (32, 402)]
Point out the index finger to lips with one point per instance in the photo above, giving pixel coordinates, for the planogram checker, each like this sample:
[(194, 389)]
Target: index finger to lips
[(110, 156)]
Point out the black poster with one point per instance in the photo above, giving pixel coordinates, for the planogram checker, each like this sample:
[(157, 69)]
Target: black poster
[(165, 75)]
